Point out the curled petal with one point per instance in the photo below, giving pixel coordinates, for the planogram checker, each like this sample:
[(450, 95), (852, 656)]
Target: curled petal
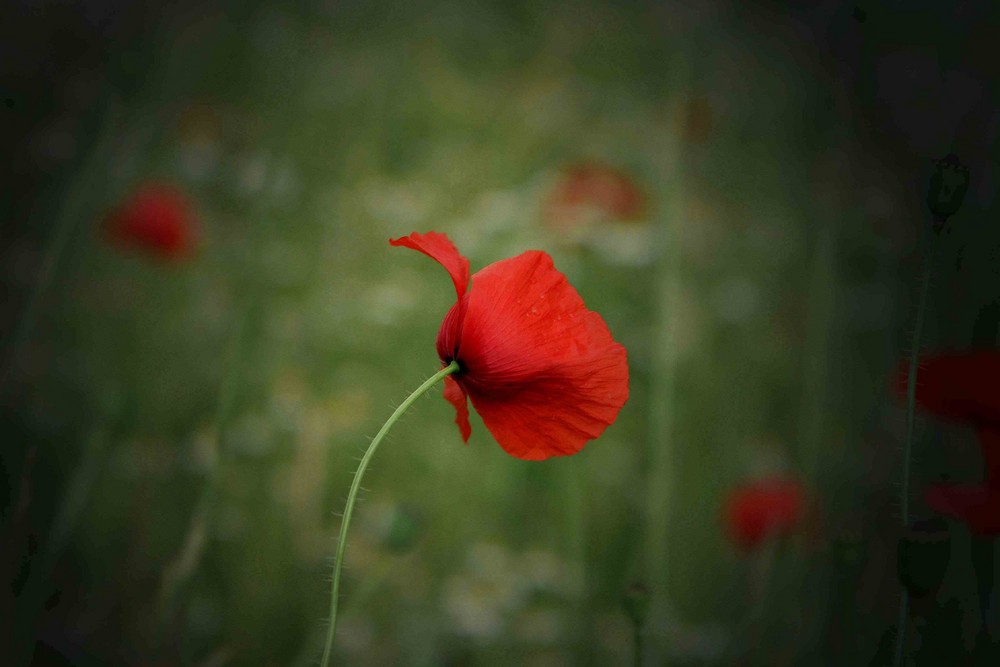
[(439, 247), (541, 370)]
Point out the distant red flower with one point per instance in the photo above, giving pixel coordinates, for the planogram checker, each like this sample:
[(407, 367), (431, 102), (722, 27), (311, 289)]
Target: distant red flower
[(541, 370), (978, 505), (756, 511), (592, 192), (156, 219), (965, 386)]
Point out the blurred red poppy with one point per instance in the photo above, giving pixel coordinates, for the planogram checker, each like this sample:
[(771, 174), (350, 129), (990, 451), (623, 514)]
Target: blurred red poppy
[(592, 192), (541, 370), (965, 386), (978, 505), (756, 511), (156, 219)]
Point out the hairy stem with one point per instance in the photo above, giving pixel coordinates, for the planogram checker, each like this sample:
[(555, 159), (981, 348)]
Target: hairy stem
[(911, 403), (352, 497)]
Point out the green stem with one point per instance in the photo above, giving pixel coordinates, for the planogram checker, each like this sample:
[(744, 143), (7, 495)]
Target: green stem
[(911, 383), (911, 403), (352, 496)]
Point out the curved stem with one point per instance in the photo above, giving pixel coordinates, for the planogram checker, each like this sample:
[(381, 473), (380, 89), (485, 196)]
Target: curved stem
[(352, 496), (911, 402)]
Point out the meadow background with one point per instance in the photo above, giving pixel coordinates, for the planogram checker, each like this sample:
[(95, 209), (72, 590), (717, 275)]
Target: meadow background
[(188, 430)]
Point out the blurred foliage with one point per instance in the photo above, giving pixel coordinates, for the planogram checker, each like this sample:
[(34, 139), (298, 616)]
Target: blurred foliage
[(196, 424)]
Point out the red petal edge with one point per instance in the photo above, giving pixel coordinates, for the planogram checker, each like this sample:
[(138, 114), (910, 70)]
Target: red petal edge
[(453, 394), (439, 247), (541, 370)]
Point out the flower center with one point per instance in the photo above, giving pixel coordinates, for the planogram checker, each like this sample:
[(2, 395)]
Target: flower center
[(461, 367)]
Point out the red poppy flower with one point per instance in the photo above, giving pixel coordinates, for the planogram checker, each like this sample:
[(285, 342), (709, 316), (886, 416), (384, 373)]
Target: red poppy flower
[(541, 370), (758, 510), (978, 505), (156, 219), (593, 193), (966, 387)]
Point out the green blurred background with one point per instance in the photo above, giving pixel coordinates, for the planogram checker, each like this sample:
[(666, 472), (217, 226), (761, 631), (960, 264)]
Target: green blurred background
[(188, 431)]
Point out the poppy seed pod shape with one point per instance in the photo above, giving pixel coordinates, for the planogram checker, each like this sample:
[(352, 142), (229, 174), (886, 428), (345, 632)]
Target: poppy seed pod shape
[(542, 371), (947, 189)]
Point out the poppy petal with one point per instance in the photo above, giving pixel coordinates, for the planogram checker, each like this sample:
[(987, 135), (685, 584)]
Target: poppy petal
[(959, 386), (450, 333), (956, 499), (978, 506), (541, 370), (989, 444), (439, 247), (453, 394)]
